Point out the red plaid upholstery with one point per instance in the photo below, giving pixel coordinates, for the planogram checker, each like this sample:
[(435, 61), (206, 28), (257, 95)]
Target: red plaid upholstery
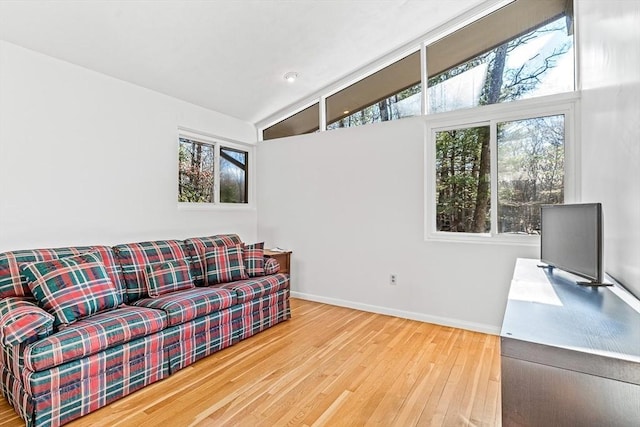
[(69, 391), (93, 334), (201, 337), (196, 247), (189, 304), (262, 313), (23, 321), (13, 283), (170, 276), (224, 264), (247, 290), (253, 257), (271, 266), (16, 395), (54, 378), (134, 258), (72, 288)]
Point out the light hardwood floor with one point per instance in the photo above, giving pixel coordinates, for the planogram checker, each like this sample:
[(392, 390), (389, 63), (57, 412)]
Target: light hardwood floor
[(328, 366)]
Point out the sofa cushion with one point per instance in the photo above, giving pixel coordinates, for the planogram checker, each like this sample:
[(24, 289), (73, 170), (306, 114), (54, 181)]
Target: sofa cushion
[(253, 257), (247, 290), (22, 320), (72, 288), (224, 264), (186, 305), (134, 258), (13, 283), (93, 334), (196, 247), (271, 266), (170, 276)]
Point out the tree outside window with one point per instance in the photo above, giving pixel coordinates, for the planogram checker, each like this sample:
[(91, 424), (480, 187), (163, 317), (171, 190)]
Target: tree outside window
[(204, 167), (530, 152), (195, 171)]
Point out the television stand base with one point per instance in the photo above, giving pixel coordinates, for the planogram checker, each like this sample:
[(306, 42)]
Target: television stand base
[(593, 284)]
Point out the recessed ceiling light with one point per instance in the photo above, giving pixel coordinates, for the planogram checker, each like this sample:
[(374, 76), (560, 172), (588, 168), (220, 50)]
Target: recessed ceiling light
[(291, 76), (345, 112)]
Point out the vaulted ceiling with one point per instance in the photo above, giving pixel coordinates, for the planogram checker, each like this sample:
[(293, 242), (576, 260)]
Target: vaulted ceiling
[(225, 55)]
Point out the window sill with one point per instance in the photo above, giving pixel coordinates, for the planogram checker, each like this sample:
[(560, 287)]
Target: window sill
[(185, 206), (491, 239)]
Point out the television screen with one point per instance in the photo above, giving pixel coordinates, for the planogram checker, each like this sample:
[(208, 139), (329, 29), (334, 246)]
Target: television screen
[(571, 239)]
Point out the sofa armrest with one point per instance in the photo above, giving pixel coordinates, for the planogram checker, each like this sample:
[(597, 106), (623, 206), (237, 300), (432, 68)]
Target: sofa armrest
[(271, 266), (21, 320)]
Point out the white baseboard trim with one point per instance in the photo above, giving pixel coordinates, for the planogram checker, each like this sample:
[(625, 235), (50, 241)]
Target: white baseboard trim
[(444, 321)]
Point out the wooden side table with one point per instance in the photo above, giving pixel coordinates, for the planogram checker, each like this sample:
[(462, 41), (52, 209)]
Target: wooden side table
[(283, 258)]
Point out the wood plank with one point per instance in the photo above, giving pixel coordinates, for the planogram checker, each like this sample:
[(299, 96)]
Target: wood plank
[(327, 366)]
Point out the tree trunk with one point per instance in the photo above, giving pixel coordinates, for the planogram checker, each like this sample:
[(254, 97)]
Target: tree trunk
[(482, 194), (384, 111), (492, 92)]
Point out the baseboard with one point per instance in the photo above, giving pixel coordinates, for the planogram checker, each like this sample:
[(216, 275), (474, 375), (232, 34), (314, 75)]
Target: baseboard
[(444, 321)]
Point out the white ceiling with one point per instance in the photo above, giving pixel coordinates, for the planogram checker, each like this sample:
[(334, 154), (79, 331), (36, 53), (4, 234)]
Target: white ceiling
[(225, 55)]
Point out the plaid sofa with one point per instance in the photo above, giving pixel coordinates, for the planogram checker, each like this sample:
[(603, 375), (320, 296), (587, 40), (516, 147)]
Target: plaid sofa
[(52, 374)]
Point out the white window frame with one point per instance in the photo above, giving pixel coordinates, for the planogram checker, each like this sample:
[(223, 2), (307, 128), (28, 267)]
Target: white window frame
[(566, 104), (217, 142)]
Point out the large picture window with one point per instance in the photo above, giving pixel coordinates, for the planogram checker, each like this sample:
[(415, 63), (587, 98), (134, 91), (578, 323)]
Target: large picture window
[(491, 175), (212, 172)]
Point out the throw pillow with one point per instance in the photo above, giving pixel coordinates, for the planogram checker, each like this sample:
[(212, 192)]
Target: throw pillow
[(253, 256), (23, 321), (224, 264), (168, 276), (271, 266), (71, 288)]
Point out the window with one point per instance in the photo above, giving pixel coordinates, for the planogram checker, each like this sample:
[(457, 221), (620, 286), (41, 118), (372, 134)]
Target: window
[(211, 172), (522, 50), (305, 121), (530, 171), (405, 103), (491, 175), (233, 176), (535, 60), (391, 93), (196, 170)]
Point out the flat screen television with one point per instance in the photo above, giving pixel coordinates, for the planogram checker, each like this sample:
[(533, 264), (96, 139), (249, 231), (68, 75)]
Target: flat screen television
[(571, 240)]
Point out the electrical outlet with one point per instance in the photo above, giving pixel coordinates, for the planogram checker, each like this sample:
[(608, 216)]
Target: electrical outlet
[(393, 279)]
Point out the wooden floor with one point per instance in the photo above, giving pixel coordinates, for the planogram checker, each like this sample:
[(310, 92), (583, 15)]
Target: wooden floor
[(328, 366)]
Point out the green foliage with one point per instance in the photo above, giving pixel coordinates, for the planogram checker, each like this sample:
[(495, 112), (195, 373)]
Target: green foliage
[(530, 152), (195, 172), (457, 177)]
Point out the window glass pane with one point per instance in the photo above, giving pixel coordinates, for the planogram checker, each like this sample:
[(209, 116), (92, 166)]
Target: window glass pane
[(305, 121), (405, 103), (195, 171), (388, 94), (462, 180), (530, 171), (233, 176), (537, 63)]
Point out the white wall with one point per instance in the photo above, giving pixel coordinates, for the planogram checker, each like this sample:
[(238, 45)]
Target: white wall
[(350, 202), (86, 158), (610, 69)]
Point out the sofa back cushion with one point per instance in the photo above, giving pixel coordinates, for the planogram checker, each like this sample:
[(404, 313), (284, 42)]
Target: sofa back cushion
[(135, 257), (13, 282), (196, 248)]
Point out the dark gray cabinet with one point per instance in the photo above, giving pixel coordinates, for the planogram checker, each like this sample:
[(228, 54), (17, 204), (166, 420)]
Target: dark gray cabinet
[(570, 354)]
